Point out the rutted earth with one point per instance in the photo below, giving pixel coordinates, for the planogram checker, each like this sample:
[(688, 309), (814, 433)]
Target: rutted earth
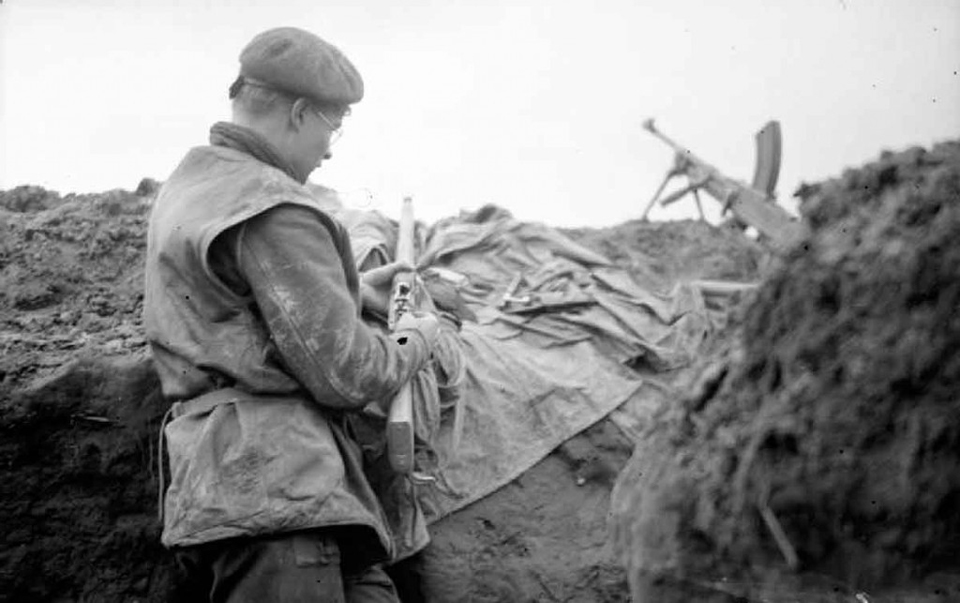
[(830, 405)]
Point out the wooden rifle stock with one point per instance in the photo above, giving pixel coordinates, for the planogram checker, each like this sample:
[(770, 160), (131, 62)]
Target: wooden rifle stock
[(400, 428)]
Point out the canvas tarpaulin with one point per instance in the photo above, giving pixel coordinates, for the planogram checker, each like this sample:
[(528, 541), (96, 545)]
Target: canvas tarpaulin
[(537, 375)]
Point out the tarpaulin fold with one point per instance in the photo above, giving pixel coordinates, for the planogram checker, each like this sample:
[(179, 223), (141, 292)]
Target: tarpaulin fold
[(536, 378)]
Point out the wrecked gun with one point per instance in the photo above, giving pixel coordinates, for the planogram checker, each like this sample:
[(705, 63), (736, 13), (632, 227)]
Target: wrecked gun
[(752, 204), (400, 425)]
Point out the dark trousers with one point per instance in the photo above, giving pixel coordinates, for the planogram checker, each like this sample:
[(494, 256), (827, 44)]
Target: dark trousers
[(299, 567)]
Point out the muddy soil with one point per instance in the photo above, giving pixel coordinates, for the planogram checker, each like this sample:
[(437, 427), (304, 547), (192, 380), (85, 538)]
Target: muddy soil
[(816, 456), (662, 253), (80, 412), (79, 403)]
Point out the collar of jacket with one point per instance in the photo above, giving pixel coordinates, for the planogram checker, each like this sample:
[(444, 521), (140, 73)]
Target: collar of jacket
[(226, 134)]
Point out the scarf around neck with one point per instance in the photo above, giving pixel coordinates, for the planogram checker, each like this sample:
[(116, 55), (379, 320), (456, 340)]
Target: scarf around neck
[(240, 138)]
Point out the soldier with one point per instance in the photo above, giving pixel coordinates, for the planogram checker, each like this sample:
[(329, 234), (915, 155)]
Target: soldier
[(252, 311)]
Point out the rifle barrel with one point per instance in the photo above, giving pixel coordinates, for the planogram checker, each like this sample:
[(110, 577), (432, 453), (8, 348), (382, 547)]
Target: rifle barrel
[(685, 153), (406, 250)]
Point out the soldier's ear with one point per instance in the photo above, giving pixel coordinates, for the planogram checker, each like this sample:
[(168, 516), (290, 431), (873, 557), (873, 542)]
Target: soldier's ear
[(299, 113)]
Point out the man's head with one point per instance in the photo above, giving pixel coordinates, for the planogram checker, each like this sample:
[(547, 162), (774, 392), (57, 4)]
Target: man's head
[(295, 89)]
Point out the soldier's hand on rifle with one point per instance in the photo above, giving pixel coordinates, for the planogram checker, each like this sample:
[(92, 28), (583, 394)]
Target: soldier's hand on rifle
[(425, 322), (375, 286)]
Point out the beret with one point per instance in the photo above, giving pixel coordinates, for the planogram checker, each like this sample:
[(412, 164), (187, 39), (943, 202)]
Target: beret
[(300, 63)]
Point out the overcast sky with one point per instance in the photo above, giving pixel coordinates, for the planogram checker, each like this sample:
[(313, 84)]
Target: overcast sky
[(535, 105)]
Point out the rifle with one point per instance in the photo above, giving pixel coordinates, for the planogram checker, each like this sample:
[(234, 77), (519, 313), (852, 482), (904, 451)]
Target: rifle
[(751, 204), (400, 427)]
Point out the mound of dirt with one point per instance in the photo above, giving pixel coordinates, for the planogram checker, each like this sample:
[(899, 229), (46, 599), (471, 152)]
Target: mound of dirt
[(80, 404), (78, 489), (817, 455), (664, 252), (70, 278)]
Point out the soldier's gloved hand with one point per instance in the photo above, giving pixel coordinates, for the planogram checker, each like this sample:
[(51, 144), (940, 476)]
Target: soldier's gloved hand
[(426, 323)]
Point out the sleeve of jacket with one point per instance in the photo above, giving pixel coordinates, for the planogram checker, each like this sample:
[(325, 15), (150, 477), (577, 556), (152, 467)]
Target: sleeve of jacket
[(292, 261)]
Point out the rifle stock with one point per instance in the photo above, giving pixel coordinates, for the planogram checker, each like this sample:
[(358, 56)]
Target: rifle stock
[(400, 427), (400, 431)]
